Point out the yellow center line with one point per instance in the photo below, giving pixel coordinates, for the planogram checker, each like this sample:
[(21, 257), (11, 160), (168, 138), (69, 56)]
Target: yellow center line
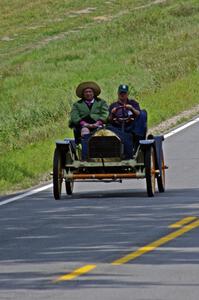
[(182, 222), (75, 273), (152, 246), (143, 250)]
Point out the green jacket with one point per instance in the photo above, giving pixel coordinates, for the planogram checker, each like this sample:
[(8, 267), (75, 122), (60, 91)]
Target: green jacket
[(80, 110)]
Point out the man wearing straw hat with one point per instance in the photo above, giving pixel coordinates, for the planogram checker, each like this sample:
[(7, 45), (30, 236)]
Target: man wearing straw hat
[(88, 113)]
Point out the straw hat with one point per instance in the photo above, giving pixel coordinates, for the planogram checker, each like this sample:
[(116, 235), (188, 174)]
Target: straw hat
[(85, 85)]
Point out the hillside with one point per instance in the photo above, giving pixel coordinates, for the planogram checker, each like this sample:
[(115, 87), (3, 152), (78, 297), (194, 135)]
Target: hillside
[(48, 47)]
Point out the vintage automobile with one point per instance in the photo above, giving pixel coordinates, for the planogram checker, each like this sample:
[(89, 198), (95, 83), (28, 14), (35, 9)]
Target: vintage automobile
[(105, 161)]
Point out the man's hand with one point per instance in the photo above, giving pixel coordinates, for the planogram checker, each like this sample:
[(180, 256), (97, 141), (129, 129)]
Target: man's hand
[(113, 111), (84, 123), (132, 109), (128, 106), (125, 106), (92, 126)]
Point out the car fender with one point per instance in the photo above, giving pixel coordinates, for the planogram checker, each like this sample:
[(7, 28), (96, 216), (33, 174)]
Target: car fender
[(156, 142), (66, 145)]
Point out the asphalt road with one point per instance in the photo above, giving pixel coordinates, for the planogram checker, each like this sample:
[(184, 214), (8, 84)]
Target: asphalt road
[(77, 248)]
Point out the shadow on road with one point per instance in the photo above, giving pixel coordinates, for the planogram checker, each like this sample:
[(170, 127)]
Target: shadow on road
[(38, 234)]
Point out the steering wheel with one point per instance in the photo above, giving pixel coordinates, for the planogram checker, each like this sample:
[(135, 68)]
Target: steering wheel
[(126, 117)]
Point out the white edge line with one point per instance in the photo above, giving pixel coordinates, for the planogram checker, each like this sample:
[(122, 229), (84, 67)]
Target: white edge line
[(181, 128), (35, 191), (43, 188)]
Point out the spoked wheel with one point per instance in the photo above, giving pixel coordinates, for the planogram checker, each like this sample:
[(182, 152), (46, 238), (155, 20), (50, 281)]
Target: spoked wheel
[(150, 171), (161, 177), (57, 174)]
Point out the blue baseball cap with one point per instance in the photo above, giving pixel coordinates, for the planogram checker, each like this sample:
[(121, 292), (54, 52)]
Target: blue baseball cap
[(123, 88)]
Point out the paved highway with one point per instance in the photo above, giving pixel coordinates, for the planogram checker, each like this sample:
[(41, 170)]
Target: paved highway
[(107, 241)]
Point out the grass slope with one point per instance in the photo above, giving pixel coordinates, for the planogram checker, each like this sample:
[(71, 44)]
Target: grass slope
[(48, 47)]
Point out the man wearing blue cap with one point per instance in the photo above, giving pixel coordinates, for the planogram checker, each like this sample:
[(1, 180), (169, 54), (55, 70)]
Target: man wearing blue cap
[(126, 118), (123, 107)]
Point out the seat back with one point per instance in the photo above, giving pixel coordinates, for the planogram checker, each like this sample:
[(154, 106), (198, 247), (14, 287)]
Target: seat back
[(140, 128), (140, 131)]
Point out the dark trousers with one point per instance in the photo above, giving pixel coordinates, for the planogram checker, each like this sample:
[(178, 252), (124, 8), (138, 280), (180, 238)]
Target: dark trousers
[(84, 143), (136, 129)]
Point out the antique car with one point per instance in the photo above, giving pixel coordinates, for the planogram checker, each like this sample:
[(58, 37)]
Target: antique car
[(105, 161)]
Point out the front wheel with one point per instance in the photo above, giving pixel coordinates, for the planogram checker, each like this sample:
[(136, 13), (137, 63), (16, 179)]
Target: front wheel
[(150, 171), (69, 183), (57, 174), (161, 176)]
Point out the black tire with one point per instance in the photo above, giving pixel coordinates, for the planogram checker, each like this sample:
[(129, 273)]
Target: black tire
[(69, 183), (69, 187), (57, 174), (150, 171), (161, 177)]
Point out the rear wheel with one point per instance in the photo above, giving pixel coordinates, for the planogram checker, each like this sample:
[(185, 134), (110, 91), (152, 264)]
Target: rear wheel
[(161, 176), (57, 174), (69, 187), (150, 171)]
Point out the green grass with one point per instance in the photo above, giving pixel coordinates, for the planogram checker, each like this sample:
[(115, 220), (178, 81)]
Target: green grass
[(171, 99), (22, 168), (48, 47)]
